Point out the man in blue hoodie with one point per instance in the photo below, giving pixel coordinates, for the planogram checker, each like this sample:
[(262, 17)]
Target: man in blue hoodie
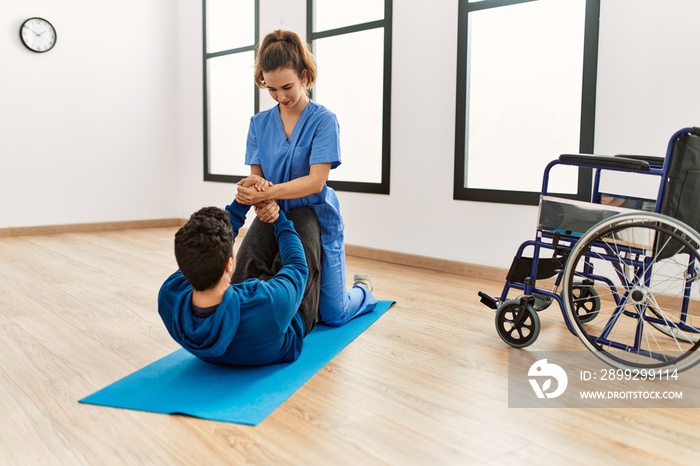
[(255, 322)]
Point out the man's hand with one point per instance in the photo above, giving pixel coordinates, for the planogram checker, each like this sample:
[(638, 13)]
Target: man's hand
[(267, 211)]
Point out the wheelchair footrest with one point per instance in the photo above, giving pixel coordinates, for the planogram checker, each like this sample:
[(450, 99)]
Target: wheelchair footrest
[(489, 300)]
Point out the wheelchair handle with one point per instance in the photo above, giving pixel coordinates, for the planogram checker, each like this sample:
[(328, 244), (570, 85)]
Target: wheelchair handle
[(620, 162)]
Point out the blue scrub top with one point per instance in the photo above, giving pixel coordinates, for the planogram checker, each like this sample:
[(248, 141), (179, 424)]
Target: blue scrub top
[(315, 139)]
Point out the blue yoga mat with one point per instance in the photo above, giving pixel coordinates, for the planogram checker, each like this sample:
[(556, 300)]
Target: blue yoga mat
[(182, 384)]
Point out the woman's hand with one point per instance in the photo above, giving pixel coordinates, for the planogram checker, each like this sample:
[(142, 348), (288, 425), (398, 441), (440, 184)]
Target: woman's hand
[(251, 190), (250, 196), (267, 211), (254, 181)]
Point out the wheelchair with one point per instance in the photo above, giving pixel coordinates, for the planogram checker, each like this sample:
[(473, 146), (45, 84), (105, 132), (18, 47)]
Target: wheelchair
[(624, 270)]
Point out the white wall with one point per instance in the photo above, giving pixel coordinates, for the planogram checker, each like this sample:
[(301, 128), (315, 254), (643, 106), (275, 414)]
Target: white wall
[(128, 137), (86, 130)]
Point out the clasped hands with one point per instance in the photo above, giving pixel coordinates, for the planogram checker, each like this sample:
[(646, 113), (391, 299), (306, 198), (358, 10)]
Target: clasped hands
[(251, 192)]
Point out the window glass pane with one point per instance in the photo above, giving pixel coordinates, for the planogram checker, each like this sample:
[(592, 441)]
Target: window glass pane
[(230, 24), (331, 14), (231, 104), (351, 84), (524, 94)]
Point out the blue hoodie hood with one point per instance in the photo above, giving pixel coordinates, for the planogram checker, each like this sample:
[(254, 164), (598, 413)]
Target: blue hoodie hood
[(205, 337)]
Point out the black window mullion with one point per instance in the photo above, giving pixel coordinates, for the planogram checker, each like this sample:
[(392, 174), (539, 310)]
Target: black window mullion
[(222, 53), (354, 186), (488, 4), (348, 29)]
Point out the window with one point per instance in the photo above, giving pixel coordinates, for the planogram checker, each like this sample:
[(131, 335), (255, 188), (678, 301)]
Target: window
[(352, 46), (526, 77), (230, 95)]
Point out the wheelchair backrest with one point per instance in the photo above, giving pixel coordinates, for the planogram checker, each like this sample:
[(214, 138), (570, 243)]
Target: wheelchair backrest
[(681, 196)]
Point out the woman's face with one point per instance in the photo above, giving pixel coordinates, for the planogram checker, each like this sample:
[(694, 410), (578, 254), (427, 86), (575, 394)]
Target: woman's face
[(286, 87)]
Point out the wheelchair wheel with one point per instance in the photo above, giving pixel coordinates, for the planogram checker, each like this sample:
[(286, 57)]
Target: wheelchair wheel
[(672, 331), (586, 302), (646, 268), (517, 324)]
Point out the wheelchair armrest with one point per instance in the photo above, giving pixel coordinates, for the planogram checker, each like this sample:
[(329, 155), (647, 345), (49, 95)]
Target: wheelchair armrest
[(605, 161), (654, 160)]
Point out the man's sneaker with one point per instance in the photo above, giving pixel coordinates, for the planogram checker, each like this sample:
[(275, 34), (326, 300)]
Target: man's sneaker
[(363, 280)]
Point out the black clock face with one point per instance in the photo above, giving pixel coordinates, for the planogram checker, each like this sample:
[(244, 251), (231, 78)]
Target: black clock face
[(38, 35)]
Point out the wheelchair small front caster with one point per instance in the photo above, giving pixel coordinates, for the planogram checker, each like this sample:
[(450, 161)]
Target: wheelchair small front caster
[(517, 323)]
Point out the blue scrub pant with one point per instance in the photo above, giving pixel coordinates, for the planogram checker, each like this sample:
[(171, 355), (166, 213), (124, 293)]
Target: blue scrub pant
[(337, 305)]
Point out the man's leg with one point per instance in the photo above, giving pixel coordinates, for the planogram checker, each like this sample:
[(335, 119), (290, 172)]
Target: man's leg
[(306, 224), (258, 257), (257, 254)]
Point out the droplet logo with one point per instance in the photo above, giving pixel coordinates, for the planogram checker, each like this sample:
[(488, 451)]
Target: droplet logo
[(547, 371)]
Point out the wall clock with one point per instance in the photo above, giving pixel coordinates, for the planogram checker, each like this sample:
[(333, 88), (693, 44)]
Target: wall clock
[(38, 35)]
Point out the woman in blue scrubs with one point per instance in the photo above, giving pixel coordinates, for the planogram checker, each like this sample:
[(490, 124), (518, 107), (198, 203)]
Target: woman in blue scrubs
[(291, 149)]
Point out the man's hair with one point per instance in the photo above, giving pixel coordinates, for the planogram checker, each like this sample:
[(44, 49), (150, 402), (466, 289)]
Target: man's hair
[(203, 246)]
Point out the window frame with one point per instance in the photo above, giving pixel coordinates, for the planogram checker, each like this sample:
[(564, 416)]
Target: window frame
[(386, 23), (588, 102), (208, 176)]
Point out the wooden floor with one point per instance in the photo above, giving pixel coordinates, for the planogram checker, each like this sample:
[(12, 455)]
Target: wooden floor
[(425, 385)]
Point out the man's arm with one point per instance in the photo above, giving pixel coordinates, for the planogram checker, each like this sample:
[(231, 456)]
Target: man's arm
[(289, 242), (236, 214), (287, 286)]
